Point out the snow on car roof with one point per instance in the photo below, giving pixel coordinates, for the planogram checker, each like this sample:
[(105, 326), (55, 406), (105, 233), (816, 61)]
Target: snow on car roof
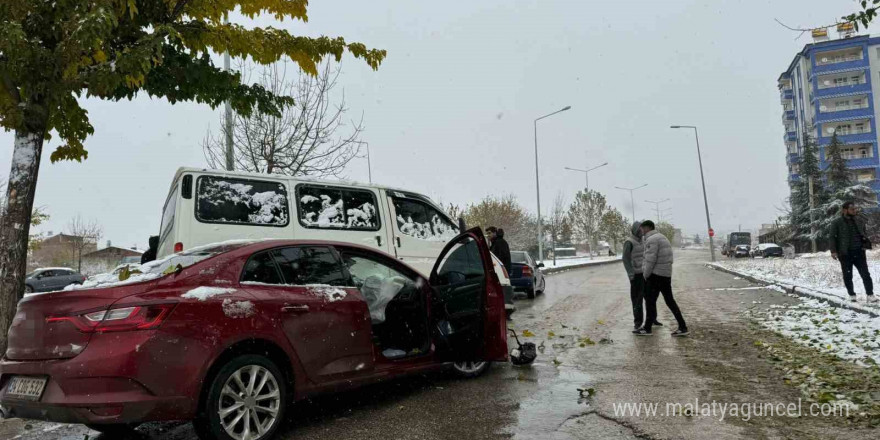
[(52, 268), (767, 245)]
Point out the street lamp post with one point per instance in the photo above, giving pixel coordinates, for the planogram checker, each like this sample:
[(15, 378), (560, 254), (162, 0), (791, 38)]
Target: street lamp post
[(587, 173), (538, 183), (631, 199), (703, 181)]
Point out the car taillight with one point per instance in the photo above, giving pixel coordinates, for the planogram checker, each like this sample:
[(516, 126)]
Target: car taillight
[(178, 247), (119, 319), (526, 271)]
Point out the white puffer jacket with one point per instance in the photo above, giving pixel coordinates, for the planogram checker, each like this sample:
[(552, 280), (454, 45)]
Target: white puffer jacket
[(658, 255)]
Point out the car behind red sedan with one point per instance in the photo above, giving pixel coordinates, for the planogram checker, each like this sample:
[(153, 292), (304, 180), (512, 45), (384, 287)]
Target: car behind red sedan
[(229, 335)]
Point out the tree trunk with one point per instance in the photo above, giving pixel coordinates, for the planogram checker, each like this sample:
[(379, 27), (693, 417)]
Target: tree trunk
[(16, 223)]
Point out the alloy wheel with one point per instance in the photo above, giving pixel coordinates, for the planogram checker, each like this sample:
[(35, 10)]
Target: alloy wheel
[(249, 403), (469, 367)]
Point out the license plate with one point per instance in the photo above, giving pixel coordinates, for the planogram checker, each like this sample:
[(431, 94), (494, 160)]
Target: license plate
[(26, 388)]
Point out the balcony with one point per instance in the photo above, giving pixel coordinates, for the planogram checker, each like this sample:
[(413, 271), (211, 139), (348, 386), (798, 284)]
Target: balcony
[(792, 158), (788, 115), (840, 60), (842, 90), (852, 136), (786, 94), (844, 112), (862, 162), (790, 136)]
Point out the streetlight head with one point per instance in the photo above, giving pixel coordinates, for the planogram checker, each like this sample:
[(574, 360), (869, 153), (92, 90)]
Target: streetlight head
[(568, 107), (675, 126)]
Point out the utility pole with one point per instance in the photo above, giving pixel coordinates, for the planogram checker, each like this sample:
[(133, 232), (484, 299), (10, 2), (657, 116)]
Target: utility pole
[(703, 182)]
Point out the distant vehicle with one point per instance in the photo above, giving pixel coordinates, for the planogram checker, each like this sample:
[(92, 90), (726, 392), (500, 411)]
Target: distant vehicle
[(241, 332), (767, 250), (526, 275), (736, 239), (741, 251), (51, 278)]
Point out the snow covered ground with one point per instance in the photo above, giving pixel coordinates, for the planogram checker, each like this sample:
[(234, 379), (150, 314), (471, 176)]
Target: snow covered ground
[(817, 272), (821, 322), (574, 261)]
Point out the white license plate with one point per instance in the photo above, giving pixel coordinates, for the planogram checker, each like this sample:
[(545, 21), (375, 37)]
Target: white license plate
[(26, 388)]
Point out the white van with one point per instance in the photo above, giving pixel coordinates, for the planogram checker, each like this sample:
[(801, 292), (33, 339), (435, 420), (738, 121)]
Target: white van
[(208, 206)]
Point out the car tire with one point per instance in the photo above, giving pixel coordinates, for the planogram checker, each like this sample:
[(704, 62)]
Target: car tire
[(210, 425), (530, 293), (28, 289), (114, 430), (469, 370)]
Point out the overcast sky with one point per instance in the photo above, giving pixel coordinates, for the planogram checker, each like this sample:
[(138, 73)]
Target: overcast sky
[(450, 111)]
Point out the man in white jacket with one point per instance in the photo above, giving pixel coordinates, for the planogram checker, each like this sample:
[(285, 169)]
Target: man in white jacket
[(657, 270)]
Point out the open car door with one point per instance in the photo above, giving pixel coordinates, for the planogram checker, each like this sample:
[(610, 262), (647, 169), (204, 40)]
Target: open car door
[(467, 305)]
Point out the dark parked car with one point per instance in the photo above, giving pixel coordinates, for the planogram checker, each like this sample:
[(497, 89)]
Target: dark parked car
[(526, 275), (767, 250), (51, 278), (229, 335)]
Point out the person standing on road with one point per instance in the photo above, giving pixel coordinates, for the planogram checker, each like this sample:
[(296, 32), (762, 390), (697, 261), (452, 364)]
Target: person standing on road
[(499, 247), (633, 258), (657, 271), (848, 242)]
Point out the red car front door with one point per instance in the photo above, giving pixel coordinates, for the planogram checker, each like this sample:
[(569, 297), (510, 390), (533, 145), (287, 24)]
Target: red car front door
[(467, 304), (327, 325)]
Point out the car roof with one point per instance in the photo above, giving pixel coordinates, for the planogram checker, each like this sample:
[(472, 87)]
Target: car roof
[(53, 268), (256, 245)]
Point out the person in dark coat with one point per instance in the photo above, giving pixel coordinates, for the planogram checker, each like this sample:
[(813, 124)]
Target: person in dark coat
[(499, 247), (848, 242), (150, 254)]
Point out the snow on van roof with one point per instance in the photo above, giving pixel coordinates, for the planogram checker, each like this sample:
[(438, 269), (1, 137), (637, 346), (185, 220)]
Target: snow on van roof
[(282, 177)]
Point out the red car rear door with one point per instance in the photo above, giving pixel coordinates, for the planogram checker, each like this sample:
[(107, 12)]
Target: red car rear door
[(327, 324), (467, 304)]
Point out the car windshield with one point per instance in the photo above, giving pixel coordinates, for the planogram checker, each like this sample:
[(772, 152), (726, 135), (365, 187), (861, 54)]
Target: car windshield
[(519, 257)]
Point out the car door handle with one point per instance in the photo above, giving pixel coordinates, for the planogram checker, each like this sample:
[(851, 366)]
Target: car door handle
[(295, 309), (398, 241), (379, 240)]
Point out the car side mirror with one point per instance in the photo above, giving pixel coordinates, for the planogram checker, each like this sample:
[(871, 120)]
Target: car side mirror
[(540, 264)]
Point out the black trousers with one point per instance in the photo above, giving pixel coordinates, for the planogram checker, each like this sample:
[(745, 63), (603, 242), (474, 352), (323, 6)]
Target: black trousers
[(655, 286), (637, 296), (858, 259)]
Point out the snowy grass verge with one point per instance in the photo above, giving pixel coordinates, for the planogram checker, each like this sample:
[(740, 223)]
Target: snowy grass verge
[(576, 263)]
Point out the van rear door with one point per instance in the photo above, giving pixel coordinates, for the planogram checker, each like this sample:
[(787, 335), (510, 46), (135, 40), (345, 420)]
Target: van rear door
[(340, 213)]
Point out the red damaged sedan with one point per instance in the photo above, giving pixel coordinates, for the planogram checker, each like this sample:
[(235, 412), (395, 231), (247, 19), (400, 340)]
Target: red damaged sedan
[(229, 335)]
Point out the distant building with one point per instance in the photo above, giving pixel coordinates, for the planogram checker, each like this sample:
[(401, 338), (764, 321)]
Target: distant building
[(829, 87), (109, 256), (57, 251)]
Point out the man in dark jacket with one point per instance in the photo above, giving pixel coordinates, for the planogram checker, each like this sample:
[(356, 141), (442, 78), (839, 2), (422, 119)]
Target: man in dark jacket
[(499, 247), (848, 242), (150, 254)]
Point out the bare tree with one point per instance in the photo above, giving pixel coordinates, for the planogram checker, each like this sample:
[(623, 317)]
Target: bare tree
[(311, 138), (585, 215), (85, 233), (557, 221)]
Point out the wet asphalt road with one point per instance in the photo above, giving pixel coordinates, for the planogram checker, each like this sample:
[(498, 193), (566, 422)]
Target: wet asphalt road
[(583, 325)]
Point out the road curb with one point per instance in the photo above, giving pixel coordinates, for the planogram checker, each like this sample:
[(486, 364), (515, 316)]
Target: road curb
[(556, 270), (799, 291)]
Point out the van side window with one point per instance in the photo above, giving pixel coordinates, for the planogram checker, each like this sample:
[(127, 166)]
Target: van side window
[(420, 220), (310, 265), (240, 201), (324, 207), (260, 268)]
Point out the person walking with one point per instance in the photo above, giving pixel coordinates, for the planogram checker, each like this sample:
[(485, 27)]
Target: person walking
[(657, 271), (499, 247), (848, 243)]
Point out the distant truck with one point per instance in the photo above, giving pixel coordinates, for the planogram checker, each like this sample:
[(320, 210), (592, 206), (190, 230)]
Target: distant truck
[(735, 239)]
